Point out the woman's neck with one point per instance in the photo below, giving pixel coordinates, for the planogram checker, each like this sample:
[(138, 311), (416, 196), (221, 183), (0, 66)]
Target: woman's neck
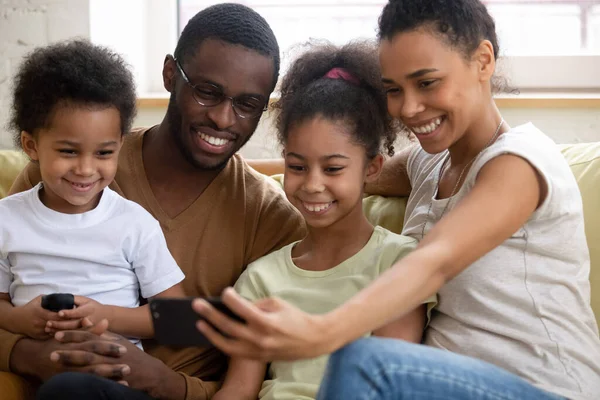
[(477, 136)]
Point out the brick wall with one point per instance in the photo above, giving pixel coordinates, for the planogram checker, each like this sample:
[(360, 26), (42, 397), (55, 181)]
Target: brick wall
[(26, 24)]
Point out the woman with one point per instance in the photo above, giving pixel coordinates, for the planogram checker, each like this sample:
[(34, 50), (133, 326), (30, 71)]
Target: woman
[(500, 220)]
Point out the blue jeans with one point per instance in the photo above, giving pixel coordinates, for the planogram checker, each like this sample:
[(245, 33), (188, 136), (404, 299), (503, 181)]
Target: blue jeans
[(390, 369)]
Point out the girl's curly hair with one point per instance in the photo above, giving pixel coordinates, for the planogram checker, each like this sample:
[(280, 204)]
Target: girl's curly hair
[(361, 105)]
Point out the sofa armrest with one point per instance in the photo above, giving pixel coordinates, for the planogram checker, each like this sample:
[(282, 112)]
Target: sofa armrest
[(13, 387)]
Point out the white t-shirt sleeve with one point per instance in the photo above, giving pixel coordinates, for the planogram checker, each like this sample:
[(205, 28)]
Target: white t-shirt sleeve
[(528, 143), (411, 168), (5, 275), (153, 264)]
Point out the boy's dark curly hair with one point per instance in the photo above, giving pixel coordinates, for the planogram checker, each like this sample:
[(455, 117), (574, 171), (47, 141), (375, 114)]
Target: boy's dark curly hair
[(362, 107), (232, 23), (72, 73), (462, 23)]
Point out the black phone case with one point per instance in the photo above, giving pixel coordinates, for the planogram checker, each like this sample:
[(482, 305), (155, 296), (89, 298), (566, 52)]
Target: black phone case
[(175, 321), (58, 301)]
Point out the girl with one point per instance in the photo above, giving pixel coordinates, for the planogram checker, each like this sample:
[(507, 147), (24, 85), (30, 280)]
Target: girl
[(73, 102), (500, 217), (332, 122)]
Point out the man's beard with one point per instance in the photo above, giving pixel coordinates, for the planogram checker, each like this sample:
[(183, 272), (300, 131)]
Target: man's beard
[(174, 119)]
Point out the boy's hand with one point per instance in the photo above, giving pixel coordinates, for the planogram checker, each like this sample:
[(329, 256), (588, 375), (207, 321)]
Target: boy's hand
[(31, 319), (87, 308)]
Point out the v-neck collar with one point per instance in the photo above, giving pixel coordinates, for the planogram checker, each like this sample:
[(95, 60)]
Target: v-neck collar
[(198, 209)]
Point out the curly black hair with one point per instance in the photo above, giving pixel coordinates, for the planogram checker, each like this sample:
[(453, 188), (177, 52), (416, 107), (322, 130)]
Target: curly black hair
[(231, 23), (72, 72), (462, 23), (361, 106)]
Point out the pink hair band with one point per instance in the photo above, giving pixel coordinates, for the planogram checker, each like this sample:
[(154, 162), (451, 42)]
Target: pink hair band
[(342, 73)]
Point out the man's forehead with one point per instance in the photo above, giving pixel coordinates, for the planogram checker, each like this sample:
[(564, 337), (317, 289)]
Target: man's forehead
[(232, 66)]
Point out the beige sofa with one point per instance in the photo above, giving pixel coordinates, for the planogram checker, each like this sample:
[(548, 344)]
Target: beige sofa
[(584, 160)]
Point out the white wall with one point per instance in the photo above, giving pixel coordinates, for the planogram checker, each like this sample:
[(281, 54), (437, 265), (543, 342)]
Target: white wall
[(26, 24)]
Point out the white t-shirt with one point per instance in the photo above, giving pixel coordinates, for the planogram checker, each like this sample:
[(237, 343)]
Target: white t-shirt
[(524, 306), (109, 254)]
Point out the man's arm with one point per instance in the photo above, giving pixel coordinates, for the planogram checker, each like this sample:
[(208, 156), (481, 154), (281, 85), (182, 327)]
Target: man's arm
[(243, 380), (409, 328), (31, 357), (268, 167)]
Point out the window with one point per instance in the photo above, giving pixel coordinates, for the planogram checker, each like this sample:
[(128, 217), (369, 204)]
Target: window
[(543, 41), (547, 27), (546, 44), (549, 44)]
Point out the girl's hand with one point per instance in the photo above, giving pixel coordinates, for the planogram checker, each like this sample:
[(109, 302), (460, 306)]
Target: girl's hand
[(86, 308), (274, 329)]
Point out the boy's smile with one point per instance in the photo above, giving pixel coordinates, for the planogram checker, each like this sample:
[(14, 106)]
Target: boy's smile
[(78, 155)]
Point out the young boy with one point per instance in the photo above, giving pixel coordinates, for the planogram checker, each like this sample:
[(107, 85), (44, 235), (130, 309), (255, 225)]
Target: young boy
[(73, 102)]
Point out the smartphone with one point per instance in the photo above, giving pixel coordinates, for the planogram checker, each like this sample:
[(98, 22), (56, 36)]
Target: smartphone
[(58, 301), (175, 321)]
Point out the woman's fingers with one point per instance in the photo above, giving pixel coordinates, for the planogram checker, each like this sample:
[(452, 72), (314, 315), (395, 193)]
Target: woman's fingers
[(225, 325), (246, 309), (269, 304), (230, 346)]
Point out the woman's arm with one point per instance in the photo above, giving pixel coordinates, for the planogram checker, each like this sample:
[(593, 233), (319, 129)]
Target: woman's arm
[(393, 180), (243, 380), (506, 193), (409, 328)]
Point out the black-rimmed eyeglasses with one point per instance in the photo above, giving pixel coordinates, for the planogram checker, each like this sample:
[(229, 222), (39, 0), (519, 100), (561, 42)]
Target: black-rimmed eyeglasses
[(209, 95)]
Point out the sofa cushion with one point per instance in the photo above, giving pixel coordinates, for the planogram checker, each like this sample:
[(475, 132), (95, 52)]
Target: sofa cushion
[(584, 159), (11, 163)]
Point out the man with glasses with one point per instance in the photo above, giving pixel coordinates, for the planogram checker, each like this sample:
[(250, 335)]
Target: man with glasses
[(218, 215)]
